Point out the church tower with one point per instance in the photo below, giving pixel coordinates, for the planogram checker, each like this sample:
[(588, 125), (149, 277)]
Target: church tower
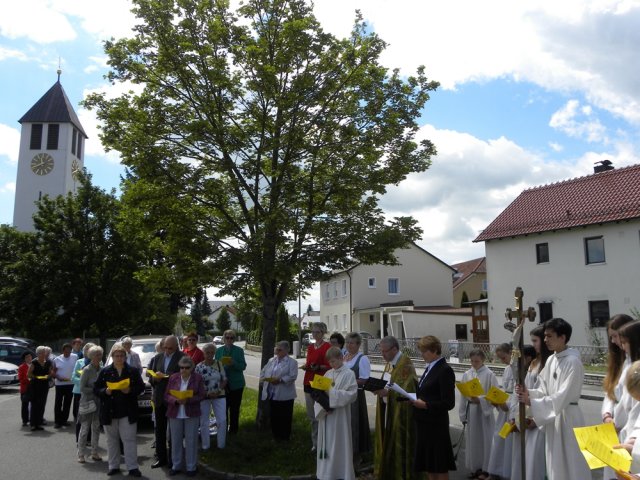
[(51, 154)]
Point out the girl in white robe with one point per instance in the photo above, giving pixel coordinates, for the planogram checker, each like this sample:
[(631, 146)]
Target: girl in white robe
[(534, 441), (478, 413), (500, 459), (335, 456)]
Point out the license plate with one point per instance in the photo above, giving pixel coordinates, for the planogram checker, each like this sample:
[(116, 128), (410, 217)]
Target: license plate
[(144, 403)]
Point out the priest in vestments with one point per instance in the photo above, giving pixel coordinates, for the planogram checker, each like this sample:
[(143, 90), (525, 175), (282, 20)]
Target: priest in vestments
[(394, 447)]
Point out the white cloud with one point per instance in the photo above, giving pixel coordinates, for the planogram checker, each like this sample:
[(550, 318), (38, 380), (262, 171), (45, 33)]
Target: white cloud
[(9, 142), (9, 187), (112, 18), (556, 147), (579, 122), (37, 20), (6, 53)]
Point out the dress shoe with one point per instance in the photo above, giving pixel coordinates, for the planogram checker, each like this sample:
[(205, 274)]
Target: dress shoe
[(113, 471), (33, 429), (57, 426), (173, 472), (191, 473), (135, 472), (158, 464)]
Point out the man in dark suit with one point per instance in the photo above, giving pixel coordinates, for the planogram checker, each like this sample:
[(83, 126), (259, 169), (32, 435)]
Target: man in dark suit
[(164, 365)]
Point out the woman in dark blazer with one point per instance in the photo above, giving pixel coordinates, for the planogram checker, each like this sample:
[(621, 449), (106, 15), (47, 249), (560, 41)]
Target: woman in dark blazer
[(184, 416), (435, 397)]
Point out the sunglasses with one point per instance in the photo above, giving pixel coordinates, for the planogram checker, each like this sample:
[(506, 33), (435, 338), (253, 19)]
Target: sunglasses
[(229, 338), (185, 368)]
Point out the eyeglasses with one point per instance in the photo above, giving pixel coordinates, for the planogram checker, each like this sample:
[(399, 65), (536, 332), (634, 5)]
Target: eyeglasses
[(118, 355), (191, 339), (229, 338), (184, 368)]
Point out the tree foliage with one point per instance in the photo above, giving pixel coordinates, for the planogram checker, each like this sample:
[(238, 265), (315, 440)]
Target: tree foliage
[(260, 143), (223, 322), (282, 324)]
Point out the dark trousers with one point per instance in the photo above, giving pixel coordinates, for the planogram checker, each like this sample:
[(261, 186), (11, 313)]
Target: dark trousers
[(161, 433), (62, 405), (25, 399), (281, 416), (234, 399), (38, 402), (76, 405)]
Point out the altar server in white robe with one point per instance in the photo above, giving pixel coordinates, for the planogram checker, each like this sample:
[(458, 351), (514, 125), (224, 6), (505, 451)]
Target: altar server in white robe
[(478, 413), (335, 456), (534, 441), (632, 429), (501, 455), (554, 404)]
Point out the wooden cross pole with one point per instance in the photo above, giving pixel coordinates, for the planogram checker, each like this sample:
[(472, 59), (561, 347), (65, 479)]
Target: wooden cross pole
[(519, 315)]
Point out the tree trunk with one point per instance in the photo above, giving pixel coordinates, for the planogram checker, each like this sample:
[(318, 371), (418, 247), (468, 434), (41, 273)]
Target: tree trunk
[(269, 309)]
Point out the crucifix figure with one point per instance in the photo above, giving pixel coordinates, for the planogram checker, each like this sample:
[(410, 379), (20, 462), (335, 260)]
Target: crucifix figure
[(517, 361)]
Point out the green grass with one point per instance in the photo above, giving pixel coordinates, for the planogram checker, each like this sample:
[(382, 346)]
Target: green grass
[(253, 452)]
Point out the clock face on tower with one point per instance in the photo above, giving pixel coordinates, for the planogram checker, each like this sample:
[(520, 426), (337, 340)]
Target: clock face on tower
[(75, 169), (42, 164)]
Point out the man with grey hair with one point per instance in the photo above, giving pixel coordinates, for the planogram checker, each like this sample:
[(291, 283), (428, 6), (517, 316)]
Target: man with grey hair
[(133, 359), (163, 365), (394, 437)]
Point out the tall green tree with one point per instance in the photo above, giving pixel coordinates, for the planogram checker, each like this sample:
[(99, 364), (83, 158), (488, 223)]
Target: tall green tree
[(223, 322), (274, 139), (282, 324)]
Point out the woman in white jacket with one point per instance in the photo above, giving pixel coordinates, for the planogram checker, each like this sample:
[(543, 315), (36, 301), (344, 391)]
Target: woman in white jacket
[(279, 387)]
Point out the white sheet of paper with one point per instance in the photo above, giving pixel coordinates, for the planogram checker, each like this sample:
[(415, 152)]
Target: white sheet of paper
[(398, 389)]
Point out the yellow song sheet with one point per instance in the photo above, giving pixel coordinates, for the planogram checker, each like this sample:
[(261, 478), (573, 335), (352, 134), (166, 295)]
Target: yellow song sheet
[(321, 383), (181, 394), (226, 361), (472, 388), (121, 385), (506, 429), (596, 444), (42, 377), (159, 375), (79, 372), (497, 396)]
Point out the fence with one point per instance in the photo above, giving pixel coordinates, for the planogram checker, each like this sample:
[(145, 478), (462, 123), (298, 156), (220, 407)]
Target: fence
[(590, 354)]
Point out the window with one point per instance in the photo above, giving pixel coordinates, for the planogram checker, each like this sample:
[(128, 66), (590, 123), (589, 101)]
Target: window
[(394, 286), (461, 332), (335, 322), (594, 250), (53, 131), (79, 149), (484, 284), (73, 141), (344, 322), (546, 311), (326, 292), (372, 317), (36, 137), (344, 287), (372, 282), (598, 313), (542, 253), (335, 289)]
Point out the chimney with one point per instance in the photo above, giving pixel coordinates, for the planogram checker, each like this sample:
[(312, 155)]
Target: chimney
[(603, 166)]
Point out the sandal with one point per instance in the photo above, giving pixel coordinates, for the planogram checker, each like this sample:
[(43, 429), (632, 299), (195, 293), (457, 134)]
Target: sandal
[(81, 459), (95, 457)]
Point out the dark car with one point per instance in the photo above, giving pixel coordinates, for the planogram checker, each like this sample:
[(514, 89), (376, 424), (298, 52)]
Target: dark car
[(27, 342), (12, 352)]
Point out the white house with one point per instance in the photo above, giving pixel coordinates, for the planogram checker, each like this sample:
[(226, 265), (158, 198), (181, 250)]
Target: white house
[(309, 317), (372, 298), (573, 247)]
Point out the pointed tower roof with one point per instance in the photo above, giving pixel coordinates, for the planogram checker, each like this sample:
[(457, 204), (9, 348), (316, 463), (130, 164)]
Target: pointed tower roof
[(53, 106)]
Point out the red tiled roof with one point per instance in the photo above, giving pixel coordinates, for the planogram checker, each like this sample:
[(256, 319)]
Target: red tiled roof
[(599, 198), (477, 265)]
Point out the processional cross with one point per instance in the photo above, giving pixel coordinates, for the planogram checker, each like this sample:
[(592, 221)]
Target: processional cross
[(519, 315)]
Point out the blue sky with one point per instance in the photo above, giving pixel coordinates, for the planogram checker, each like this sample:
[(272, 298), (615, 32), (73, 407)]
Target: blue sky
[(531, 92)]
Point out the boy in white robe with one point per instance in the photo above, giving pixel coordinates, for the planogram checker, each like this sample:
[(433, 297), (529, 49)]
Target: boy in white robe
[(632, 428), (554, 404), (335, 456), (478, 413), (501, 456)]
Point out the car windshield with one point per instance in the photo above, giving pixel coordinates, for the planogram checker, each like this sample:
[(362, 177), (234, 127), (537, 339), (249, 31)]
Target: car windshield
[(144, 347)]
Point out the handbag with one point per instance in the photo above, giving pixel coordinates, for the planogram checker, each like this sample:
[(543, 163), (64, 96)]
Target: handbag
[(88, 407)]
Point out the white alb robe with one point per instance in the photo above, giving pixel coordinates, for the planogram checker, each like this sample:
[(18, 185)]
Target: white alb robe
[(335, 457), (534, 441), (619, 409), (480, 421), (554, 406), (500, 459)]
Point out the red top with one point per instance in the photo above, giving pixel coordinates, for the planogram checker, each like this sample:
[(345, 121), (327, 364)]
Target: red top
[(196, 355), (316, 356), (22, 377)]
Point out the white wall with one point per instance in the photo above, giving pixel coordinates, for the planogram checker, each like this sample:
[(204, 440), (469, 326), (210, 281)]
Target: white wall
[(443, 326), (566, 280)]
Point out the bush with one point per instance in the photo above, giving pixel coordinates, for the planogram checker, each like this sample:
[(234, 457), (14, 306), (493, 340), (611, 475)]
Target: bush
[(255, 337)]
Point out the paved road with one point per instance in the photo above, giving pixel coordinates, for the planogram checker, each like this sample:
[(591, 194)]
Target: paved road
[(51, 454)]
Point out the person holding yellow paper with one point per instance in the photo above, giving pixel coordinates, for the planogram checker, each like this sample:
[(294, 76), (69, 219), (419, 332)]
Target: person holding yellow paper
[(119, 410), (478, 414), (232, 357), (632, 428), (501, 448), (554, 404), (40, 370), (184, 416)]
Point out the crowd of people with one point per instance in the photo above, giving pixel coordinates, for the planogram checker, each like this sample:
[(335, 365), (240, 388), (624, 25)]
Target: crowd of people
[(411, 435)]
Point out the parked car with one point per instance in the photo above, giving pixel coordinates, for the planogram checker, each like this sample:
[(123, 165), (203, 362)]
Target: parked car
[(308, 339), (145, 347), (218, 340), (12, 352), (27, 342), (8, 374)]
